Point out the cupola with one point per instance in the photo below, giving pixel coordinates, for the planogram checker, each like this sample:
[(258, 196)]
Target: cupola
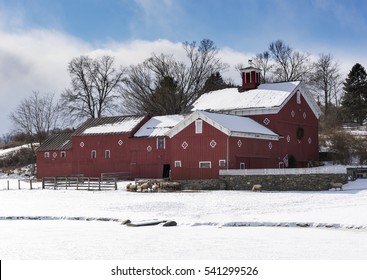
[(250, 77)]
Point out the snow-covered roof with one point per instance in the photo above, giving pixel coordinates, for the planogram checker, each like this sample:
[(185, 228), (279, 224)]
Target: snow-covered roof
[(109, 125), (265, 96), (158, 126), (229, 124), (265, 99)]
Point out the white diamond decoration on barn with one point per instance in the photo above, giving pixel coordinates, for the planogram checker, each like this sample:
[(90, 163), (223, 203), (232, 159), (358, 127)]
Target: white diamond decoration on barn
[(54, 154), (309, 140), (266, 121), (288, 139), (239, 143), (213, 143), (81, 144), (293, 114), (270, 145), (304, 115), (120, 142), (149, 148), (184, 145)]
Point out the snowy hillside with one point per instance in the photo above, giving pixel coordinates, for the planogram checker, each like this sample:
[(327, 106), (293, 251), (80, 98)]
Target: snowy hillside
[(8, 151)]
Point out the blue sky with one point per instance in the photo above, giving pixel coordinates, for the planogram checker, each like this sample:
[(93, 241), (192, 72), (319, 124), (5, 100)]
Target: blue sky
[(39, 37)]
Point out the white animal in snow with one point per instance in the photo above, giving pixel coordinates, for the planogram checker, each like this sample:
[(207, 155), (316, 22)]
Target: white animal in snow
[(337, 185), (256, 188)]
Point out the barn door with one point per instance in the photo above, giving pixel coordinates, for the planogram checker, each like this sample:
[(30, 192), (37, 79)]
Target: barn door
[(166, 170)]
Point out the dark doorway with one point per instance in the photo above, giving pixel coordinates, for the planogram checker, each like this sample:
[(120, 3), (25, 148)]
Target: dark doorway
[(166, 170)]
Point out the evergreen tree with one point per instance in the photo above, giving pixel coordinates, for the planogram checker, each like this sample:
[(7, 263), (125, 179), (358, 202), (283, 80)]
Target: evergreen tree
[(354, 102), (215, 82)]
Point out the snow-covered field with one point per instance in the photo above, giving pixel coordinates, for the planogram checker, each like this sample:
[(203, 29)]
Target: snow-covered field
[(211, 225)]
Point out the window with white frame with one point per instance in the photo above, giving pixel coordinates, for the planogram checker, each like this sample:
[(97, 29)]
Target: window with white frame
[(222, 163), (161, 143), (242, 165), (46, 154), (178, 163), (63, 154), (198, 126), (93, 154), (107, 153), (298, 97), (205, 164)]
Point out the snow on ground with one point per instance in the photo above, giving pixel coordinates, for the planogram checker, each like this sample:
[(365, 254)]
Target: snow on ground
[(211, 224)]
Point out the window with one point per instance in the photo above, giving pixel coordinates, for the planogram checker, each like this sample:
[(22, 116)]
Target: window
[(178, 163), (242, 165), (107, 154), (222, 163), (94, 154), (161, 143), (63, 154), (198, 126), (298, 97), (205, 164), (47, 155)]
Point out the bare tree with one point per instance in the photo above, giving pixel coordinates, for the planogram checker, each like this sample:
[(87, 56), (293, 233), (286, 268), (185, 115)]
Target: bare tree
[(262, 62), (183, 82), (94, 85), (36, 117), (289, 65), (326, 79)]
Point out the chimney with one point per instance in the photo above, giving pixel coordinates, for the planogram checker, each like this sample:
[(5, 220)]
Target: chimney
[(250, 77)]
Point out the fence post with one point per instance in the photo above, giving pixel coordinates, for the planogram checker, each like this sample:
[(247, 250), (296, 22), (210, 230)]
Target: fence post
[(99, 184), (30, 183), (7, 184), (77, 183), (18, 184), (115, 184), (55, 182), (88, 183), (43, 183)]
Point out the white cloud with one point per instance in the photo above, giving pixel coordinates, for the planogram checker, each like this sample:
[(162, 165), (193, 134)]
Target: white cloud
[(36, 60)]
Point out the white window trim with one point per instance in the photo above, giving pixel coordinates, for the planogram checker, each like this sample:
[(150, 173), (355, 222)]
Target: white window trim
[(107, 152), (205, 162), (298, 97), (178, 163), (93, 154), (164, 143), (46, 154), (222, 163), (242, 164), (63, 154), (198, 126)]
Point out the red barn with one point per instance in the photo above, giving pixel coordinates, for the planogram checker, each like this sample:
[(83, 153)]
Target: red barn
[(260, 126), (205, 142), (286, 108)]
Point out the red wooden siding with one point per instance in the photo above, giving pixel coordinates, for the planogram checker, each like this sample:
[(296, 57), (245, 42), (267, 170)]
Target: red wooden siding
[(54, 164)]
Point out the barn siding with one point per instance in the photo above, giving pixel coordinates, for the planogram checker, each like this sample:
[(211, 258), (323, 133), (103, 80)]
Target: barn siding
[(54, 165)]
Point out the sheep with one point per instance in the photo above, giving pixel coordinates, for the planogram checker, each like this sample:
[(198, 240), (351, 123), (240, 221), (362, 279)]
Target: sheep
[(144, 187), (155, 187), (256, 188), (131, 187), (337, 185)]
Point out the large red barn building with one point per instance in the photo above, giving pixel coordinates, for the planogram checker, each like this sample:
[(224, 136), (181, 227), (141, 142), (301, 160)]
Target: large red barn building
[(259, 126)]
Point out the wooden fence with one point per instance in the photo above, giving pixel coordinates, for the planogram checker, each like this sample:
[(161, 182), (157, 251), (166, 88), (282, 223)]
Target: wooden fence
[(79, 183), (18, 184)]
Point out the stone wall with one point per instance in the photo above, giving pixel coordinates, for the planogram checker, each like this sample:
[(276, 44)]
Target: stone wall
[(299, 182)]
